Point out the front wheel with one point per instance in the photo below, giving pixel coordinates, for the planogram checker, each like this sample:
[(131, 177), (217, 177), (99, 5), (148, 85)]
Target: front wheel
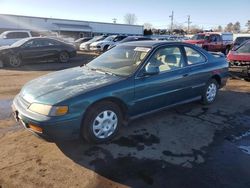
[(14, 61), (210, 92), (63, 57), (101, 122)]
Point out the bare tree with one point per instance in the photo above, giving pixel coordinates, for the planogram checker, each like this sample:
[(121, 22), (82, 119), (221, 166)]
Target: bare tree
[(148, 26), (220, 29), (236, 27), (248, 25), (195, 29), (229, 27), (130, 19)]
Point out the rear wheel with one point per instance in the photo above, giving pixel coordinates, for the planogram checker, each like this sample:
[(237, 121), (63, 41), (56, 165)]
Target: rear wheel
[(210, 92), (101, 122), (14, 61), (63, 57)]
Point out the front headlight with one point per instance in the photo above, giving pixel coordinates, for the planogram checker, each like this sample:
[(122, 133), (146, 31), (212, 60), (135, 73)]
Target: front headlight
[(48, 110)]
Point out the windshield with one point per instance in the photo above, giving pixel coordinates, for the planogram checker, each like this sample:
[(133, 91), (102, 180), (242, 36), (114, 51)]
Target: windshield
[(20, 42), (121, 60), (244, 48), (240, 40), (198, 37), (110, 38)]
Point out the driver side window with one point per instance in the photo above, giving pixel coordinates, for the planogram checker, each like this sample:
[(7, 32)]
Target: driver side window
[(167, 59)]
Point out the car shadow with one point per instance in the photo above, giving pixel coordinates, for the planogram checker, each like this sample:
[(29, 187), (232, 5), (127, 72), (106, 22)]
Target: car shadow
[(163, 148)]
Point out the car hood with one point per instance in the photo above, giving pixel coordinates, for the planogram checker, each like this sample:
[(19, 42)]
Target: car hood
[(62, 85), (194, 41), (101, 42), (5, 48)]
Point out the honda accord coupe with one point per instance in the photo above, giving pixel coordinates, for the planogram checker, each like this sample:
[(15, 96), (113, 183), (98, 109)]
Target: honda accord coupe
[(130, 80)]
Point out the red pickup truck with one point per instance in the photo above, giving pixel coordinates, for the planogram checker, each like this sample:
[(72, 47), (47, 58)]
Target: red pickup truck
[(212, 41)]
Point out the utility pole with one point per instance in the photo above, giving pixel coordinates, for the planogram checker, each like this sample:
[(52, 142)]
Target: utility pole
[(189, 22), (172, 21), (114, 20)]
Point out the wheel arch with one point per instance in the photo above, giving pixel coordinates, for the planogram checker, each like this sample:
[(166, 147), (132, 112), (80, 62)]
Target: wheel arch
[(217, 78), (121, 104)]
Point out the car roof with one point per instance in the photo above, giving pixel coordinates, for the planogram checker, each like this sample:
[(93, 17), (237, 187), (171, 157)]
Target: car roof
[(150, 43)]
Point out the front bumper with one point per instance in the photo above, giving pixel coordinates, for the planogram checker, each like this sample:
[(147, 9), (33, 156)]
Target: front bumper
[(96, 48), (53, 128)]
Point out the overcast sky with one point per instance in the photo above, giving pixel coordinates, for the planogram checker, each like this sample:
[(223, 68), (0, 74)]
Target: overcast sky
[(210, 13)]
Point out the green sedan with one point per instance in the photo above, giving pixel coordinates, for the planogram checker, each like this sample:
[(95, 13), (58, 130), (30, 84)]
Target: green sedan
[(130, 80)]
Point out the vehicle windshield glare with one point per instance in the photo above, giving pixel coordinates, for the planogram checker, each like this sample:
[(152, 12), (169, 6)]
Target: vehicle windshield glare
[(121, 60), (198, 37), (110, 38), (20, 42), (244, 48)]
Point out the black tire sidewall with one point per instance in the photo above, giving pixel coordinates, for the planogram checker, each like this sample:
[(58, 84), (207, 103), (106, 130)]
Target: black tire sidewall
[(204, 94), (15, 56), (63, 52), (87, 125)]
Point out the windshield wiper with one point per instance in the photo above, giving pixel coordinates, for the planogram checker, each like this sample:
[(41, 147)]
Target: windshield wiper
[(101, 71)]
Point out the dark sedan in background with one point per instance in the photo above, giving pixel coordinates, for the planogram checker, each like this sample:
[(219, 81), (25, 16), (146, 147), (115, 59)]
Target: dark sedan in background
[(128, 81), (36, 49)]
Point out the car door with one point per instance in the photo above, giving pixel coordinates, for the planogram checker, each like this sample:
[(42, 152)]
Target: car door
[(36, 49), (212, 43), (166, 88), (198, 71), (218, 45), (30, 50)]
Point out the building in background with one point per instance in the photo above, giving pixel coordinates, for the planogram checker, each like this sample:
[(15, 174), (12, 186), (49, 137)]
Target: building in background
[(68, 28)]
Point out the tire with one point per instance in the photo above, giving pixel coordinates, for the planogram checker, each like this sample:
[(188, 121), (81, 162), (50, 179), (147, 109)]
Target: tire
[(63, 57), (210, 92), (227, 50), (105, 48), (14, 61), (101, 123)]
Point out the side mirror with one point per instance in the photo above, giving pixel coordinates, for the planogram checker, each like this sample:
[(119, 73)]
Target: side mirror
[(151, 69)]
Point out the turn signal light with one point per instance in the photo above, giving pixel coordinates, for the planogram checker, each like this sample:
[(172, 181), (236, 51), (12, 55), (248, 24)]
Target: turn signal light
[(36, 128)]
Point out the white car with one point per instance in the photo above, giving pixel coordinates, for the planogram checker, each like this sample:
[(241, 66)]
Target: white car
[(7, 38), (86, 45), (103, 45)]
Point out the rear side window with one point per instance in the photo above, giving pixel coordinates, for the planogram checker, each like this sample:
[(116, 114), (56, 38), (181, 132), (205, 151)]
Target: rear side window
[(17, 35), (193, 56)]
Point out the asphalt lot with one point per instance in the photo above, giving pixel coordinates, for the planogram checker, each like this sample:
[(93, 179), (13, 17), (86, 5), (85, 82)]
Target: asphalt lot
[(187, 146)]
